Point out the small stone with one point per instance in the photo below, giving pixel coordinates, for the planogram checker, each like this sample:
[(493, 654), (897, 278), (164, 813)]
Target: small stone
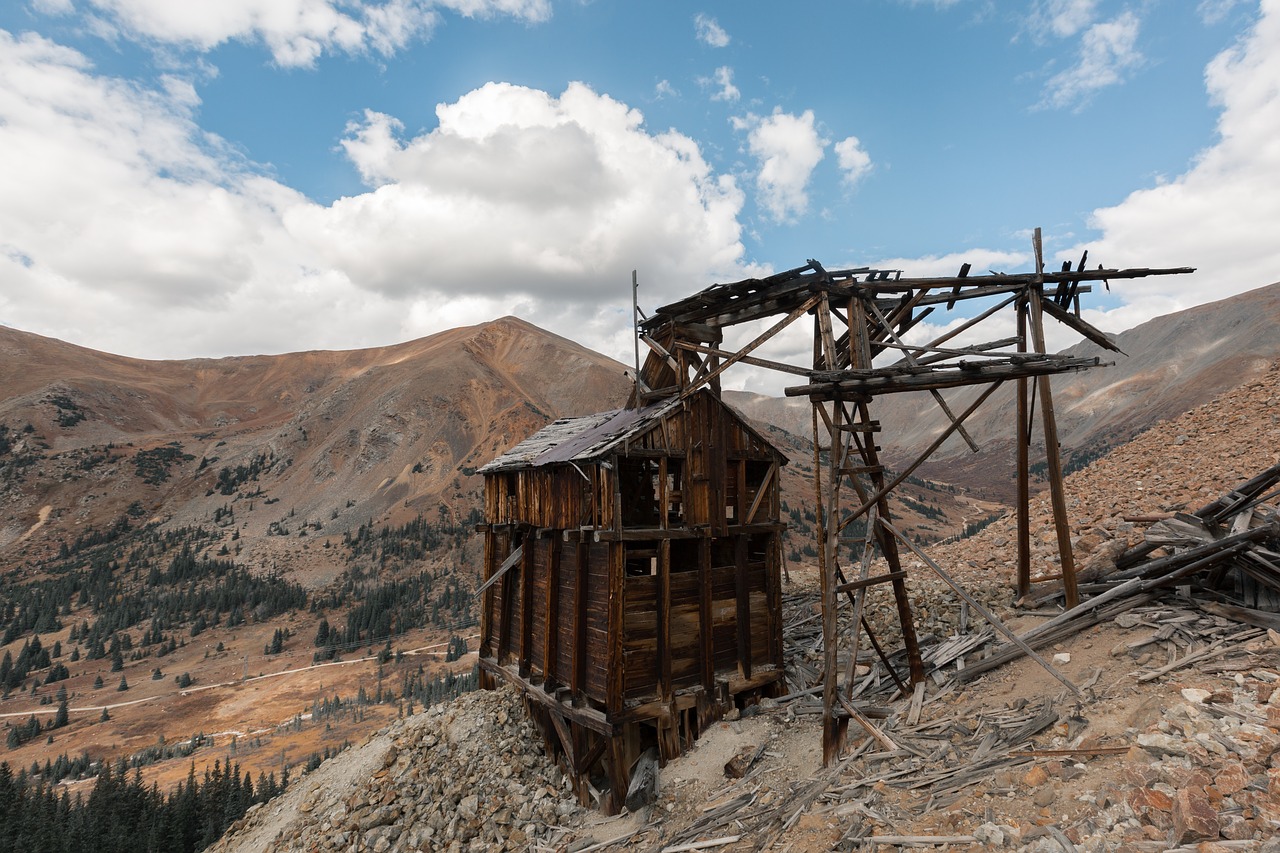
[(1273, 718), (1231, 778), (1196, 695), (1160, 743), (1035, 777), (1062, 658), (1193, 818), (989, 834), (1152, 807), (469, 806), (1236, 828)]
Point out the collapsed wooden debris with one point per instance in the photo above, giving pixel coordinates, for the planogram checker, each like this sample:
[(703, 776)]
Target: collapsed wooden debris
[(1224, 558)]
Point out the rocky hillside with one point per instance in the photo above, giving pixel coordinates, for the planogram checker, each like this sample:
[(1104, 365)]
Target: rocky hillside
[(331, 439), (1143, 760)]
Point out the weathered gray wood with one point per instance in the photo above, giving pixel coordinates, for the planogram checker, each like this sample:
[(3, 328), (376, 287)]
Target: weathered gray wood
[(644, 781), (981, 608), (511, 560)]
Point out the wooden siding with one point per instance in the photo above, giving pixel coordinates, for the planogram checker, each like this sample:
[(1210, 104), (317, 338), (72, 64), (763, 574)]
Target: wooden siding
[(643, 573)]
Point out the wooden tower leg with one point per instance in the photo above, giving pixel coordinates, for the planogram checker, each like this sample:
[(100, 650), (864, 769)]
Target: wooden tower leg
[(1024, 466), (1053, 454)]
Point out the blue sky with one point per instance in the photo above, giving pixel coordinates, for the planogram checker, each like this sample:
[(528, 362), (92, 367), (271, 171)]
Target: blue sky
[(242, 176)]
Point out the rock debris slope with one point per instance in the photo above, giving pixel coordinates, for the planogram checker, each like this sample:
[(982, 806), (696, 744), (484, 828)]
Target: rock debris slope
[(470, 774)]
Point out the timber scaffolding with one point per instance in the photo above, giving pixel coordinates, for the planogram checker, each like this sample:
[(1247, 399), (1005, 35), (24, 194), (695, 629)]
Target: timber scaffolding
[(860, 315)]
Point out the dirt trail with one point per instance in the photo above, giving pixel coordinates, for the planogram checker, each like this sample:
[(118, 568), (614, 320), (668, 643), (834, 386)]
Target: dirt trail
[(44, 516)]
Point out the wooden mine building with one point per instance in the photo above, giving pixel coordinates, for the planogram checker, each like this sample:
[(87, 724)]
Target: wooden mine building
[(632, 563)]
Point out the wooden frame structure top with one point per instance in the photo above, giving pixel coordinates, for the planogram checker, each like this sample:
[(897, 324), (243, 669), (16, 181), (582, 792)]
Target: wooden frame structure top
[(860, 319)]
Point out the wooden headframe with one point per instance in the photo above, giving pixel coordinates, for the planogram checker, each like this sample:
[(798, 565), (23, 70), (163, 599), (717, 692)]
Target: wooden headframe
[(860, 317)]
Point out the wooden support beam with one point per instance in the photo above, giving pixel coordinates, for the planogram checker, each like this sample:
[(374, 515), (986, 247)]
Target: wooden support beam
[(551, 624), (761, 493), (526, 606), (864, 582), (1053, 458), (937, 397), (745, 359), (920, 460), (664, 618), (512, 558), (1023, 473), (578, 681), (705, 635), (743, 594), (701, 379), (832, 385)]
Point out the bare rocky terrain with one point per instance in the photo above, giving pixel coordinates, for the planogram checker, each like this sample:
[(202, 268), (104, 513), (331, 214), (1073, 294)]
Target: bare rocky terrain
[(1145, 759)]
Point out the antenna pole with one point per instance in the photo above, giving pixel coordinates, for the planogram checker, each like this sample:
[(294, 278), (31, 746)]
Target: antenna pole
[(635, 326)]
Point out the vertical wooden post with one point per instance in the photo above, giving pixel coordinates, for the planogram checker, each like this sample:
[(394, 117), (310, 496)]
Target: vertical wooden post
[(615, 675), (773, 597), (834, 726), (507, 607), (1024, 464), (580, 647), (664, 618), (743, 594), (526, 603), (486, 600), (706, 643), (551, 626), (861, 358), (1053, 453), (663, 496)]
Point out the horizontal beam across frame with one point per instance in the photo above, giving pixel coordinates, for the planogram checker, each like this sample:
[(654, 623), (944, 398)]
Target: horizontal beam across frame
[(584, 716), (837, 385)]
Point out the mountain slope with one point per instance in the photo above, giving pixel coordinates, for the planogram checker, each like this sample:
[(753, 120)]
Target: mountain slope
[(334, 436)]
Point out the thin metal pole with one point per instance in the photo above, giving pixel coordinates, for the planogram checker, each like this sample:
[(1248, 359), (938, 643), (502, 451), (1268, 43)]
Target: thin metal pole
[(635, 326)]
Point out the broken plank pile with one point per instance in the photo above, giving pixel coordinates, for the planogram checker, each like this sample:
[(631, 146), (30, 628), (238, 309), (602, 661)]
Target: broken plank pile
[(873, 788), (1225, 556)]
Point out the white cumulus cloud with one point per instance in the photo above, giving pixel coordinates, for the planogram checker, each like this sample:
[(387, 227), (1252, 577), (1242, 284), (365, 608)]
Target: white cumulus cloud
[(787, 147), (723, 81), (1218, 216), (297, 32), (126, 227), (853, 159)]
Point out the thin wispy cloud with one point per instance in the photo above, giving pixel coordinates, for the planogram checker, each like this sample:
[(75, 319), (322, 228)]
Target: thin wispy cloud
[(722, 85), (1108, 52), (709, 32), (1061, 18)]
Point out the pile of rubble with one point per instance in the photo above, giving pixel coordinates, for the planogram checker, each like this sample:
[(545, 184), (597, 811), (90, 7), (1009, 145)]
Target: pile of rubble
[(471, 774)]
